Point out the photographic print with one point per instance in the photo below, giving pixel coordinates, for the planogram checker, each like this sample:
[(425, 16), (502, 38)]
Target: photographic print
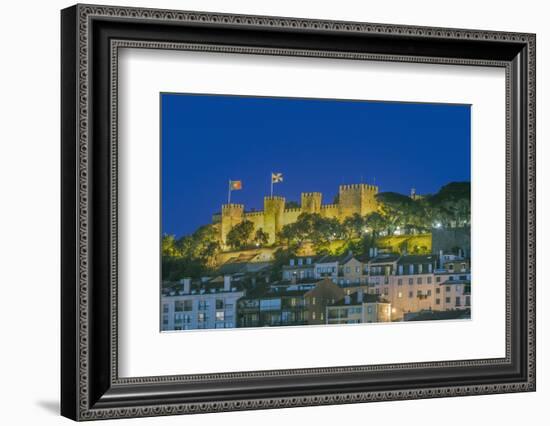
[(300, 212)]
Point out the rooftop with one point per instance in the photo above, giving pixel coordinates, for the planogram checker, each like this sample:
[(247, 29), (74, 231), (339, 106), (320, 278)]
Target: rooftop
[(417, 259), (385, 258), (354, 299)]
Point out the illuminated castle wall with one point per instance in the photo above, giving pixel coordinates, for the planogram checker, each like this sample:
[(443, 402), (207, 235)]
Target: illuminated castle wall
[(357, 198)]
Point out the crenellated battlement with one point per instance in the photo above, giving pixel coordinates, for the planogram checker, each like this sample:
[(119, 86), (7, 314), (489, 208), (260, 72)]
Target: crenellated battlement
[(274, 198), (232, 207), (311, 194), (359, 186)]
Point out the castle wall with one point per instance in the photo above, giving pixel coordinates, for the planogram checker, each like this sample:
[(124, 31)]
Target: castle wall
[(291, 216), (273, 216), (311, 202), (357, 198), (257, 218), (232, 214), (330, 211)]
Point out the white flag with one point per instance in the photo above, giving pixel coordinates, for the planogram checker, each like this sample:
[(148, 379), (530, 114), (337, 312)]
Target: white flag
[(276, 177)]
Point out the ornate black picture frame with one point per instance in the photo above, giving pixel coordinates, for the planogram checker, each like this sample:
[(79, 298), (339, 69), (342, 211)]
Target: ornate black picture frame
[(90, 38)]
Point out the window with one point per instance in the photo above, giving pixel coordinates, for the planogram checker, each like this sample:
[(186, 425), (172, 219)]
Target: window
[(377, 291), (322, 316), (165, 308), (419, 269), (411, 269), (463, 277), (400, 269), (411, 281), (219, 303), (178, 306), (399, 295), (386, 291), (270, 304), (429, 293), (437, 301), (467, 303), (448, 289), (419, 280), (400, 281), (429, 280), (313, 300), (187, 305), (313, 315), (451, 267), (447, 300), (357, 269), (347, 269), (419, 293), (220, 316), (437, 290), (202, 317), (165, 320), (430, 268), (437, 279), (410, 294), (457, 301), (369, 309)]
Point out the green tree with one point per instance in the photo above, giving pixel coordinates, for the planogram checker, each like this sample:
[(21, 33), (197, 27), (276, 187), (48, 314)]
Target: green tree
[(396, 209), (260, 237), (240, 234), (311, 227), (375, 223), (451, 204), (353, 226), (191, 255), (168, 245)]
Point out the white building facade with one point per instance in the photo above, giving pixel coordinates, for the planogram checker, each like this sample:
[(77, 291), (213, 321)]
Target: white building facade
[(187, 309)]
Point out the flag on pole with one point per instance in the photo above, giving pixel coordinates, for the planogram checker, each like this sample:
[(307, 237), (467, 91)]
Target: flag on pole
[(276, 177), (235, 185)]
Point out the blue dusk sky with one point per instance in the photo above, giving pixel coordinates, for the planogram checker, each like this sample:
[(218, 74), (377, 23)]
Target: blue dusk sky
[(317, 144)]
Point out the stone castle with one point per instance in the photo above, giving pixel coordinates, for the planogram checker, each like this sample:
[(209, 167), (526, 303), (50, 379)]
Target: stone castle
[(356, 198)]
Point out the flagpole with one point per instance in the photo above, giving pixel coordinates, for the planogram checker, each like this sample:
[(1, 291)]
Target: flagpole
[(229, 192), (271, 184)]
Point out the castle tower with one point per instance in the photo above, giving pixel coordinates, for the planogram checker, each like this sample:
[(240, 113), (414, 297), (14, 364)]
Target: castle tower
[(273, 216), (232, 214), (357, 198), (311, 202)]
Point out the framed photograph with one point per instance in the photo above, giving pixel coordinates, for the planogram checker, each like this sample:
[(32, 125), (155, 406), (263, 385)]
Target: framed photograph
[(263, 212)]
